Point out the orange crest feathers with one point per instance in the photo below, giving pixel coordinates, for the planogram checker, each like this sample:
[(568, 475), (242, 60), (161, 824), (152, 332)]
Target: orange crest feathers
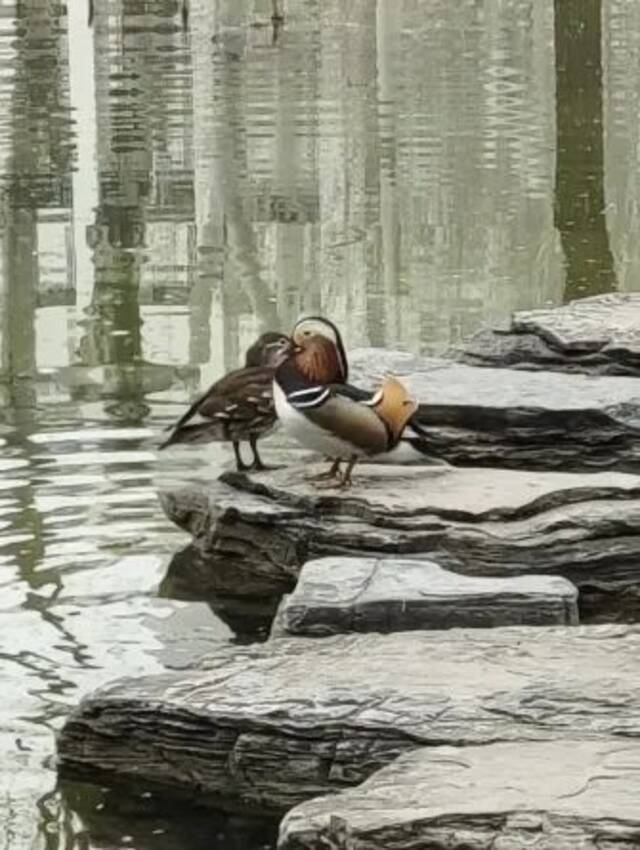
[(318, 360), (394, 406)]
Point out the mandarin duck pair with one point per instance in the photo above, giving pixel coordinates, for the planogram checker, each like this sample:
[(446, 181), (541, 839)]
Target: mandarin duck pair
[(302, 381)]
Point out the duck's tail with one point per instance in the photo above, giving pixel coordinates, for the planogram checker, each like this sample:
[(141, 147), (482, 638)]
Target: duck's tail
[(201, 432)]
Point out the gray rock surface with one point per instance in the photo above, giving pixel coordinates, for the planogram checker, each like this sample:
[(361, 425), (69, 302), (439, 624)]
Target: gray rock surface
[(337, 595), (598, 335), (253, 533), (560, 795), (274, 724), (513, 418)]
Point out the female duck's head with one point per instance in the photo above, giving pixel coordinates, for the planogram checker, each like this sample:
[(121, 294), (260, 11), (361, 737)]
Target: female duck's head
[(271, 349)]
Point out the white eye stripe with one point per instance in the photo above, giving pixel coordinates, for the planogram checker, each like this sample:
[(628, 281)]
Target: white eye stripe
[(306, 327)]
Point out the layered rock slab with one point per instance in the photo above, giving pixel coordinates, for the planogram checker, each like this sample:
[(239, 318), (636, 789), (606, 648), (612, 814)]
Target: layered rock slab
[(338, 595), (274, 724), (253, 533), (557, 795), (513, 418), (598, 335)]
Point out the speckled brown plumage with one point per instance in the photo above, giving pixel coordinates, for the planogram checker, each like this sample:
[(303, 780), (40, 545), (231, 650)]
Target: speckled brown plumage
[(239, 407)]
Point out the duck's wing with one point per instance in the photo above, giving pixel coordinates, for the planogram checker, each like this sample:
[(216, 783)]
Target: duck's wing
[(415, 433), (240, 396), (335, 411), (217, 388), (240, 402)]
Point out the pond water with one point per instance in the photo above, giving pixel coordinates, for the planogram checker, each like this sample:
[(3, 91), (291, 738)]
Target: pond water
[(176, 177)]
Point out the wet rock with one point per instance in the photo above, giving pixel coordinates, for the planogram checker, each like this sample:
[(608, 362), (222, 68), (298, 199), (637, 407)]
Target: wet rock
[(510, 418), (513, 418), (337, 595), (274, 724), (502, 796), (599, 336), (254, 533)]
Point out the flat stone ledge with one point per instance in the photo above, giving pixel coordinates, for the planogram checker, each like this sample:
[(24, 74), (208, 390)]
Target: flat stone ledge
[(338, 595), (598, 336), (557, 795), (275, 724), (514, 418), (253, 533)]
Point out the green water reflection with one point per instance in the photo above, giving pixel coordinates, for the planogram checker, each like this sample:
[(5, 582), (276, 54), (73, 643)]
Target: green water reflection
[(170, 186)]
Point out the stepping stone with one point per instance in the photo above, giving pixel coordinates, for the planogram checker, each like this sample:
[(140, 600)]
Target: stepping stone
[(553, 795), (274, 724), (598, 335), (337, 595), (253, 533)]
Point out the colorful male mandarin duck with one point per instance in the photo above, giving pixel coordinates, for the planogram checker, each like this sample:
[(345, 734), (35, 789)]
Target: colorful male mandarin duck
[(239, 407), (325, 417), (414, 444)]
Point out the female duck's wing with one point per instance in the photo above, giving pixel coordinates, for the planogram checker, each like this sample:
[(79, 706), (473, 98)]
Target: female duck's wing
[(241, 397), (241, 400)]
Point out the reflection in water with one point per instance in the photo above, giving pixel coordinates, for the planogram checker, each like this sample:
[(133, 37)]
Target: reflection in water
[(579, 193), (176, 178), (114, 819)]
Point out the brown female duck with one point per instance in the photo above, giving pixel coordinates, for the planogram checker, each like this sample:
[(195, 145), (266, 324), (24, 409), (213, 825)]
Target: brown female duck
[(239, 407)]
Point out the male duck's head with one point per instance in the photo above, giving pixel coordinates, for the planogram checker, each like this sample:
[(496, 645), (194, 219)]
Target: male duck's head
[(317, 359), (318, 326), (271, 349)]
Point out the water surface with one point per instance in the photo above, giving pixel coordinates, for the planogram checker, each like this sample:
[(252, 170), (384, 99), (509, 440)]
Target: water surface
[(415, 169)]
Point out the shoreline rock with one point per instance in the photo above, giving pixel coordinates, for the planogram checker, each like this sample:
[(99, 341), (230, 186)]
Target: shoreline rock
[(597, 336), (272, 725), (516, 419), (500, 795), (340, 595), (254, 533)]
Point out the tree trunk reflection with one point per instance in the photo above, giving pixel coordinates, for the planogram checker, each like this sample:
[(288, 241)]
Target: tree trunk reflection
[(579, 190)]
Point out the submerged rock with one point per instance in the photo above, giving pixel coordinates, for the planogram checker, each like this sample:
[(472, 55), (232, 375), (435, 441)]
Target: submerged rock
[(337, 595), (598, 335), (254, 533), (272, 725), (500, 796)]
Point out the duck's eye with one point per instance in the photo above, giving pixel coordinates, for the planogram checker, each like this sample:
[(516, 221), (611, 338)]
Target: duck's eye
[(306, 333)]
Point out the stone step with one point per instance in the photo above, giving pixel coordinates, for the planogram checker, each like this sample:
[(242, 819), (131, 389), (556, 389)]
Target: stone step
[(514, 418), (598, 336), (252, 534), (338, 595), (272, 725), (552, 795)]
